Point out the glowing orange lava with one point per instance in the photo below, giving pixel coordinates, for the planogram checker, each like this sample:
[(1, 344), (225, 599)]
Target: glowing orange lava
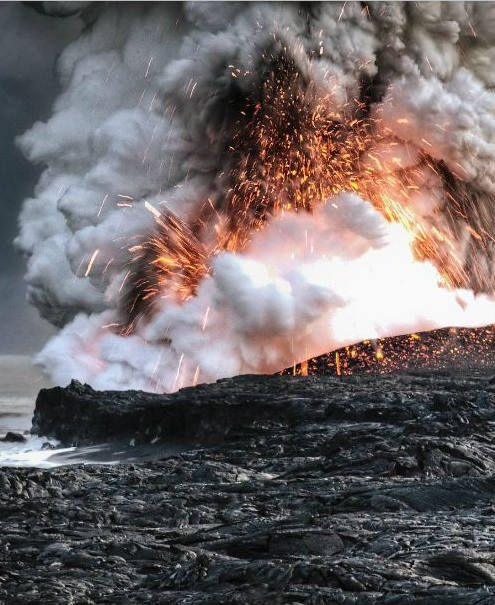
[(291, 150)]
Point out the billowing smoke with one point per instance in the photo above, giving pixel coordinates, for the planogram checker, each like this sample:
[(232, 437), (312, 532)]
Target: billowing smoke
[(232, 187)]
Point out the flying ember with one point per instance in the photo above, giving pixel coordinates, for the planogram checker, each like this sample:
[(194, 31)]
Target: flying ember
[(299, 184), (290, 151)]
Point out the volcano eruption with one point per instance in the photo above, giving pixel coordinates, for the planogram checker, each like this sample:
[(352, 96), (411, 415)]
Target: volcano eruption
[(238, 188)]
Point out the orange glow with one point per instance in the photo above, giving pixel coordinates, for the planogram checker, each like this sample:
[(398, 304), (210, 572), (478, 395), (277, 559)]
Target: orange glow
[(290, 152)]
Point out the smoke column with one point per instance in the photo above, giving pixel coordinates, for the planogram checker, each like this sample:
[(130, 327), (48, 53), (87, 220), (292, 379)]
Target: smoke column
[(232, 187)]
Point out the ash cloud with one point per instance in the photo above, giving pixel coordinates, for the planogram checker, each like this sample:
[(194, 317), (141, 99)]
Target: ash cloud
[(147, 114)]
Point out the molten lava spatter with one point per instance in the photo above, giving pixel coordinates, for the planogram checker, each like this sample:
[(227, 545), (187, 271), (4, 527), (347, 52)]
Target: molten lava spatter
[(461, 348), (291, 150), (298, 178)]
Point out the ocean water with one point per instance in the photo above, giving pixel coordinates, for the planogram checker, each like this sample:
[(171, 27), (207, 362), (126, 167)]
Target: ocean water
[(20, 382)]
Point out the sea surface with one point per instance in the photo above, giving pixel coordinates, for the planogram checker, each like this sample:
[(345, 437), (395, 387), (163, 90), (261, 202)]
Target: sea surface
[(20, 382)]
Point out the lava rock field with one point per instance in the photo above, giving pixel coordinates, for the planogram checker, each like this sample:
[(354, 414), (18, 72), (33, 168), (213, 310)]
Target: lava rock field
[(304, 490)]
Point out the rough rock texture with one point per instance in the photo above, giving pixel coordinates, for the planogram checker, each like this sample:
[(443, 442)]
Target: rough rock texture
[(296, 490), (208, 413)]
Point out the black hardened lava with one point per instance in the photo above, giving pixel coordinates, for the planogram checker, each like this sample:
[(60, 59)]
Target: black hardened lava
[(353, 490)]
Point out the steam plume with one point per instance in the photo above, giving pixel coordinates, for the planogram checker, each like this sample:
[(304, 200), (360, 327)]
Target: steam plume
[(194, 219)]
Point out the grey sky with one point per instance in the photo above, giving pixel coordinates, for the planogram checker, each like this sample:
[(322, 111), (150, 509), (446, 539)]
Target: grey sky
[(29, 46)]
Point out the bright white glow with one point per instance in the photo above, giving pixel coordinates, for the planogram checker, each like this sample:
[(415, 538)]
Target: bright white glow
[(279, 302)]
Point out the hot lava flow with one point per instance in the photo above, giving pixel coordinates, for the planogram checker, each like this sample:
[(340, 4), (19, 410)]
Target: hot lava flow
[(291, 150)]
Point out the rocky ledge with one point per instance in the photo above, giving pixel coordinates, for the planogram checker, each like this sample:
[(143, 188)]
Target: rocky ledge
[(361, 490)]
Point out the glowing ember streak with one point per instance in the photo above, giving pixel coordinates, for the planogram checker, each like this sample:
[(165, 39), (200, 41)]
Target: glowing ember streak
[(205, 319), (152, 209), (91, 262), (196, 377), (148, 68), (337, 364), (102, 204), (124, 280), (178, 371), (108, 265)]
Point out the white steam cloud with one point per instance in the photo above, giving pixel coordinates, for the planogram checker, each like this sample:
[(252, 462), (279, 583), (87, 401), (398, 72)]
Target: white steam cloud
[(146, 101)]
